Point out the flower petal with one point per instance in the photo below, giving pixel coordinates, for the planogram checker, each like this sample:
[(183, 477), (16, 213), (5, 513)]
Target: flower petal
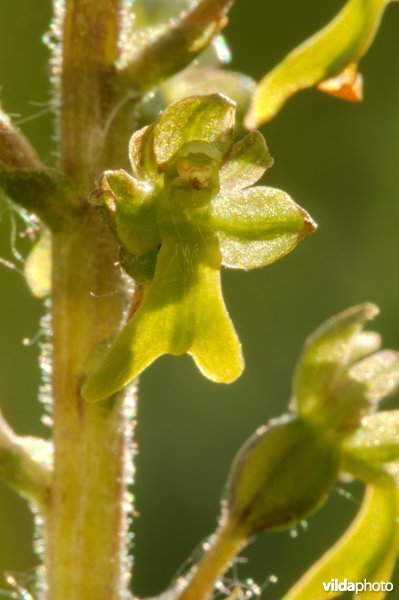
[(135, 212), (379, 374), (142, 157), (360, 387), (246, 163), (198, 118), (182, 311), (376, 441), (257, 226)]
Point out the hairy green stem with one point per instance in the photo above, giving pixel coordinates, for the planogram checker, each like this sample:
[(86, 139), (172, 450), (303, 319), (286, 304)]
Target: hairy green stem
[(86, 524), (86, 548), (172, 51), (91, 29), (227, 544)]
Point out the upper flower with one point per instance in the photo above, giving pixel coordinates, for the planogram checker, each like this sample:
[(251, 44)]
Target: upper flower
[(187, 210)]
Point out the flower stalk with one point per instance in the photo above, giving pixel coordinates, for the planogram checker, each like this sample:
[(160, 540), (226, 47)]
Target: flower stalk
[(177, 46), (20, 467), (226, 545)]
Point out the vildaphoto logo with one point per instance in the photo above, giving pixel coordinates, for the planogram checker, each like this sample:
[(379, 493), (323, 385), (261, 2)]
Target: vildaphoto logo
[(343, 585)]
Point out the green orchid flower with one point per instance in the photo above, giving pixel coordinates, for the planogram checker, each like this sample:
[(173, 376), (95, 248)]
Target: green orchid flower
[(188, 210), (288, 468), (340, 379)]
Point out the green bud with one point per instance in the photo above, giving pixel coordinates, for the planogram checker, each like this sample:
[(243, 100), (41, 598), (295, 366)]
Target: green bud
[(324, 393), (342, 375), (283, 473)]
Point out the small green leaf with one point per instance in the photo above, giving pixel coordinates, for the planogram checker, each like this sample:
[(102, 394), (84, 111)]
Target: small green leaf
[(182, 311), (325, 55), (135, 212), (351, 558), (257, 226), (324, 361), (283, 473), (376, 441), (196, 119), (246, 163)]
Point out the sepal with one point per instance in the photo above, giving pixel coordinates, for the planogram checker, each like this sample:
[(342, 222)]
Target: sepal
[(207, 119), (257, 226), (135, 212), (246, 163)]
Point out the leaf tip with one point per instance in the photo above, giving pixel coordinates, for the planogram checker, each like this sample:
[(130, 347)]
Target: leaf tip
[(348, 85), (309, 226)]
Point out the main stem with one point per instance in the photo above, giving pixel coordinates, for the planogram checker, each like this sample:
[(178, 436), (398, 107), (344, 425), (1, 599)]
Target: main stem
[(86, 556)]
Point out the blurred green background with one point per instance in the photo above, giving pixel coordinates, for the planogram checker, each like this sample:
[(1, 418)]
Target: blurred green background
[(341, 162)]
